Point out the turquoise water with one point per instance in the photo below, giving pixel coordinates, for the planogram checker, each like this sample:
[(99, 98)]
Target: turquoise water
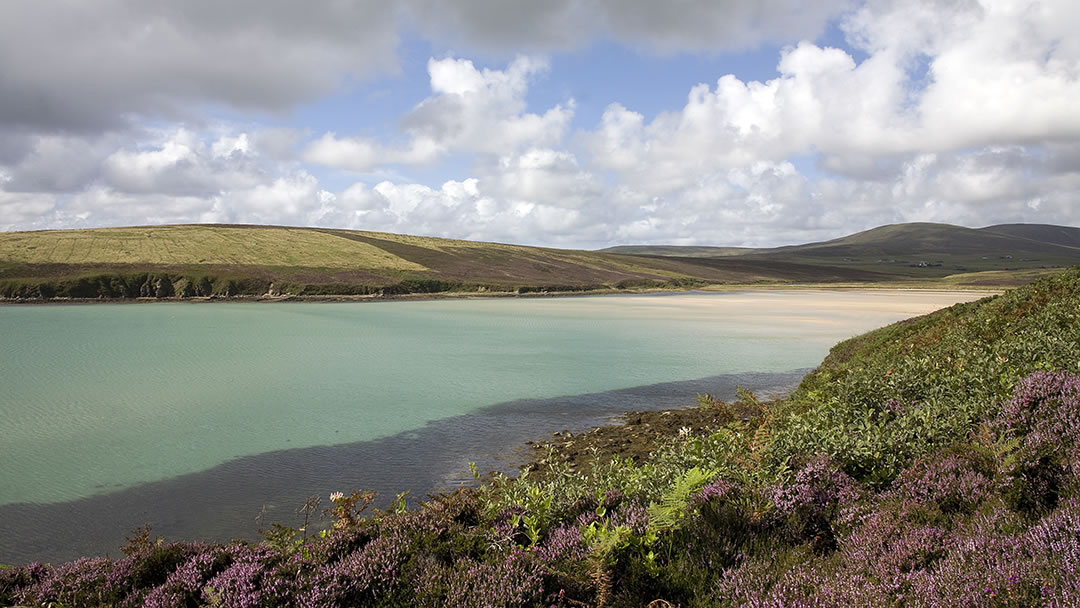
[(97, 398)]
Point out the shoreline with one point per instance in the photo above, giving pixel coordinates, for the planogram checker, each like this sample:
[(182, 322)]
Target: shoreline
[(506, 438), (478, 295), (637, 434)]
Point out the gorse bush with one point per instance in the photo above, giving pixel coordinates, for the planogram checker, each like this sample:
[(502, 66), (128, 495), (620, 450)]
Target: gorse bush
[(935, 462)]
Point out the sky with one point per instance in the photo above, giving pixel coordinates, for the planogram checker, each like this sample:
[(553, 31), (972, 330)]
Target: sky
[(563, 123)]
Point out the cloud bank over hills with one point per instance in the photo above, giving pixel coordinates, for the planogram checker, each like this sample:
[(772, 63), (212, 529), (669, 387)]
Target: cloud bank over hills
[(461, 120)]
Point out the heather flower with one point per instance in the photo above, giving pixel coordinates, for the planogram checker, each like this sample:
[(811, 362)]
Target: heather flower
[(515, 580), (185, 585), (890, 549), (563, 543), (367, 574), (955, 482), (240, 584), (716, 491), (808, 506), (819, 486), (631, 515), (1043, 417), (82, 582)]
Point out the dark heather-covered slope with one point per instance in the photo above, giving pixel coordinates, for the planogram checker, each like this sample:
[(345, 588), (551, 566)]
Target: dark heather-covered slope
[(921, 250), (926, 239), (913, 239), (1043, 233), (681, 251)]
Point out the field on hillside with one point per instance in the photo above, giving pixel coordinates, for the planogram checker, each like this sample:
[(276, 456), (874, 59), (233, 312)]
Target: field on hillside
[(210, 245), (210, 260)]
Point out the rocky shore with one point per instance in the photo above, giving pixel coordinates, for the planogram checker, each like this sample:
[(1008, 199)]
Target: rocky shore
[(635, 434)]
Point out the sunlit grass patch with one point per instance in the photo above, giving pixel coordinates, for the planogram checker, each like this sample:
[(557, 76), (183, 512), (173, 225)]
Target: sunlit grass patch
[(204, 245)]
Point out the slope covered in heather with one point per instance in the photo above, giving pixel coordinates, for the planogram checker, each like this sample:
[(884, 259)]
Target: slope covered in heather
[(917, 250), (934, 462)]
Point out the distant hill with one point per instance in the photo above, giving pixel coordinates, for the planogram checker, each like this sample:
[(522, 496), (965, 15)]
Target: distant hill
[(231, 260), (680, 251), (1044, 233), (277, 261), (915, 249)]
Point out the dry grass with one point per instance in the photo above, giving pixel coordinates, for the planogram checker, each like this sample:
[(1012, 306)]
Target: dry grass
[(209, 245)]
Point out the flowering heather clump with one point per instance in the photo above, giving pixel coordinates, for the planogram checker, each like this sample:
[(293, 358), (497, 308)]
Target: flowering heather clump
[(373, 571), (184, 586), (1042, 398), (818, 487), (891, 550), (1044, 418), (515, 580), (633, 515), (505, 530), (146, 567), (1053, 546), (563, 543), (811, 586), (716, 491), (367, 574), (240, 584), (955, 482), (82, 582), (893, 563), (988, 564), (808, 506)]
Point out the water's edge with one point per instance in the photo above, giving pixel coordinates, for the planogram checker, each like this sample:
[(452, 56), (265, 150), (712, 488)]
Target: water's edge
[(225, 502)]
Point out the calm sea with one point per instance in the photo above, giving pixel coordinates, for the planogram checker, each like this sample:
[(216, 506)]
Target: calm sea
[(196, 418)]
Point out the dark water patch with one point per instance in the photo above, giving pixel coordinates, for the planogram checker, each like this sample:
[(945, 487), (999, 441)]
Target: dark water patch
[(224, 502)]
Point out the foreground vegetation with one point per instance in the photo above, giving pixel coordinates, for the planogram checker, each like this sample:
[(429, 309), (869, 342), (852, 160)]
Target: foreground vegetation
[(211, 261), (934, 462)]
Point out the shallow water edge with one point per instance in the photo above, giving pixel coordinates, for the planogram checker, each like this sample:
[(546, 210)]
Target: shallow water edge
[(233, 500)]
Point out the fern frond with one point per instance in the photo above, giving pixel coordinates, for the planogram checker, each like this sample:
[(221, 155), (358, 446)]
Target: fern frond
[(667, 514)]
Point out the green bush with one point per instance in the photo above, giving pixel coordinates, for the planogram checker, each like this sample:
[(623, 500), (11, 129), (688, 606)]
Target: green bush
[(908, 389)]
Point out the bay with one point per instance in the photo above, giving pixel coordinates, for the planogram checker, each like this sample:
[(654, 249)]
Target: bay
[(192, 417)]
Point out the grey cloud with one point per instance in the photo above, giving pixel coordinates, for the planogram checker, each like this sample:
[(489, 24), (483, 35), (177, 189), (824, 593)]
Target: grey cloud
[(502, 26), (90, 66), (15, 144), (680, 25), (57, 163), (278, 143), (67, 65), (860, 165), (717, 25), (1063, 158), (21, 211)]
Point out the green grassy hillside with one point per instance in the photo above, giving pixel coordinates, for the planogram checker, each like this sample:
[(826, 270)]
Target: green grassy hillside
[(208, 260)]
